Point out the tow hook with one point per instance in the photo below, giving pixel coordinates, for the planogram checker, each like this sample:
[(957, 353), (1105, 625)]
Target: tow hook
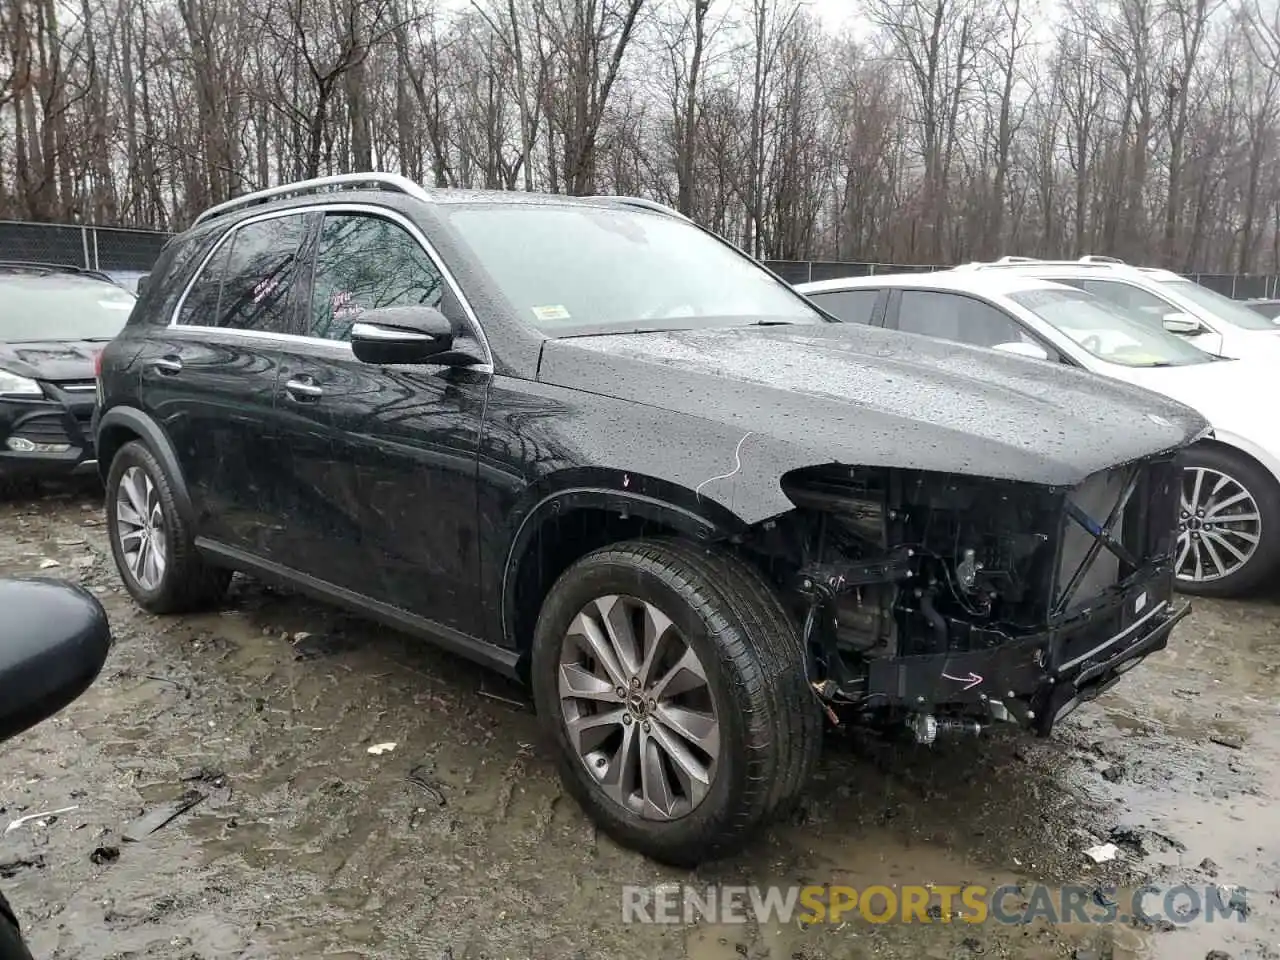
[(926, 727)]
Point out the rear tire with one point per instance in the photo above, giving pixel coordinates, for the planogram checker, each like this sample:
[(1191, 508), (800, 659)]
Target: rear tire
[(745, 677), (151, 542), (1221, 486)]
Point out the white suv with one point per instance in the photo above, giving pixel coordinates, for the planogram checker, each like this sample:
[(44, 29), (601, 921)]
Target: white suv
[(1229, 522), (1214, 323)]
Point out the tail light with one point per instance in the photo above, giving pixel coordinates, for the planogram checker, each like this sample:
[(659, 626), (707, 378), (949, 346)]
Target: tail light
[(97, 377)]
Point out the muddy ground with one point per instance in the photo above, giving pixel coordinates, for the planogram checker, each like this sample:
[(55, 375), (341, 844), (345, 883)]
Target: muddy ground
[(460, 844)]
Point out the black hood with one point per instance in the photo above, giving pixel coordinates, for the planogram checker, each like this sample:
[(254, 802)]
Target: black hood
[(50, 359), (864, 396)]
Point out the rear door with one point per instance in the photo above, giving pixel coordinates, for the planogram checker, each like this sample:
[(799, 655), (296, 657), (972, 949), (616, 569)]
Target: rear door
[(381, 461), (209, 378)]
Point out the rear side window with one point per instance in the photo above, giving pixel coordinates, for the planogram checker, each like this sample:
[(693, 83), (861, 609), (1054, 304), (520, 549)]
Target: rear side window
[(201, 306), (364, 263), (851, 306), (168, 279), (248, 282)]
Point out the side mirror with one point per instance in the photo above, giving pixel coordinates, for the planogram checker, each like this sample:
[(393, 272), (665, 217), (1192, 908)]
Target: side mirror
[(401, 335), (141, 286), (54, 639), (1023, 349), (1182, 323)]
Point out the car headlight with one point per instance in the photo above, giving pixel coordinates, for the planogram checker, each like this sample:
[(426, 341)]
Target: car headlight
[(12, 385)]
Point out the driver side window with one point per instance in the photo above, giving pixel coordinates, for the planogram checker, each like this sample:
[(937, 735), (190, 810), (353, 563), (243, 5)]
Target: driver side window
[(1129, 297), (364, 262), (964, 319)]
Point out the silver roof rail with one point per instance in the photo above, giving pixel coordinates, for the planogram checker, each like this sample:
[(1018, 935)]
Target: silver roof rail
[(649, 205), (383, 181), (1086, 261), (1087, 258)]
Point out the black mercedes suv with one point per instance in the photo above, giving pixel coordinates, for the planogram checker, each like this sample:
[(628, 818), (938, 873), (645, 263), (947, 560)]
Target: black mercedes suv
[(54, 318), (597, 448)]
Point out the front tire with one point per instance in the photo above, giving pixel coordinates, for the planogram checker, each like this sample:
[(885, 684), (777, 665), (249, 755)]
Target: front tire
[(675, 698), (1228, 524), (151, 543)]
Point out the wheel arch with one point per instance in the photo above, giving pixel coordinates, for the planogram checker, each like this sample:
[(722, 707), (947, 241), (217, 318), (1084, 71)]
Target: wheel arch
[(1235, 445), (1242, 579), (566, 524), (121, 425)]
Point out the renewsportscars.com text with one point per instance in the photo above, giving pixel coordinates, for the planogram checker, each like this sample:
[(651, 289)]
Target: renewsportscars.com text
[(931, 903)]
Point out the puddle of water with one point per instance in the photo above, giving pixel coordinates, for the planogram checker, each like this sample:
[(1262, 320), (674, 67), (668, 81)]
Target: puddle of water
[(334, 854)]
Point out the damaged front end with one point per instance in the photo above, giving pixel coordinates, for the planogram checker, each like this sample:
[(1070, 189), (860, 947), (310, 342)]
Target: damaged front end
[(947, 601)]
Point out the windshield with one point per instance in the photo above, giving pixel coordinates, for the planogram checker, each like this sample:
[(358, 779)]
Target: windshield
[(1108, 331), (61, 308), (586, 269), (1232, 311)]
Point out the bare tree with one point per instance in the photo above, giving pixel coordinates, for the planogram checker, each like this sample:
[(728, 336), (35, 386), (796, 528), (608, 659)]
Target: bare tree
[(1005, 53), (588, 40), (940, 43), (1143, 128)]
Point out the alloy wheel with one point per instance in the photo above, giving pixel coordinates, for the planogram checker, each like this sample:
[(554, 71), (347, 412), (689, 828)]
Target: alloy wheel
[(1219, 526), (638, 708), (140, 528)]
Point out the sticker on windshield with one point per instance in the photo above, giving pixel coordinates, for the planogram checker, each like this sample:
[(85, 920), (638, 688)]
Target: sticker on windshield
[(553, 312)]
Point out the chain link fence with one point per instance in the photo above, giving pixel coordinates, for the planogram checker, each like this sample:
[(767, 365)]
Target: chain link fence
[(124, 250), (110, 249)]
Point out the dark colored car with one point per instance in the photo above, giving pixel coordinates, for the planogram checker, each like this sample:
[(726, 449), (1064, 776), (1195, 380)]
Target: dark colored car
[(597, 448), (53, 321)]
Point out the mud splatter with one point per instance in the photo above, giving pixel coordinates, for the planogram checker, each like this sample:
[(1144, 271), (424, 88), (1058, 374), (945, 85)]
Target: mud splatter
[(308, 846)]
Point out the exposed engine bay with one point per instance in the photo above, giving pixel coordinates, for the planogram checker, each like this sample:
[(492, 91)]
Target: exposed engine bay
[(950, 586)]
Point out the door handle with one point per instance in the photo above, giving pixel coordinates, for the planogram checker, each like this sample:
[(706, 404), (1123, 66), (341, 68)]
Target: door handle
[(167, 366), (304, 390)]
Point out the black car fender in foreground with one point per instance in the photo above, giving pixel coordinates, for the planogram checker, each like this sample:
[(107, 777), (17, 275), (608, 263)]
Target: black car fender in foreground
[(54, 640)]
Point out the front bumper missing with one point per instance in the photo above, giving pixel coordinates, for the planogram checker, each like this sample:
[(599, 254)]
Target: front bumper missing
[(1036, 680)]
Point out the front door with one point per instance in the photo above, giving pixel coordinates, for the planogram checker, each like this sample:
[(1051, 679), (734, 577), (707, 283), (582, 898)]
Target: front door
[(1148, 305), (381, 460), (210, 379), (962, 318)]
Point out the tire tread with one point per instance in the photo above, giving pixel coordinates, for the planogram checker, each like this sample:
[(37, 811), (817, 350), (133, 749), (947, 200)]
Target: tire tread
[(759, 645)]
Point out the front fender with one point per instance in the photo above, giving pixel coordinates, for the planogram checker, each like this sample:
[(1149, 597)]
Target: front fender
[(547, 450), (118, 426)]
